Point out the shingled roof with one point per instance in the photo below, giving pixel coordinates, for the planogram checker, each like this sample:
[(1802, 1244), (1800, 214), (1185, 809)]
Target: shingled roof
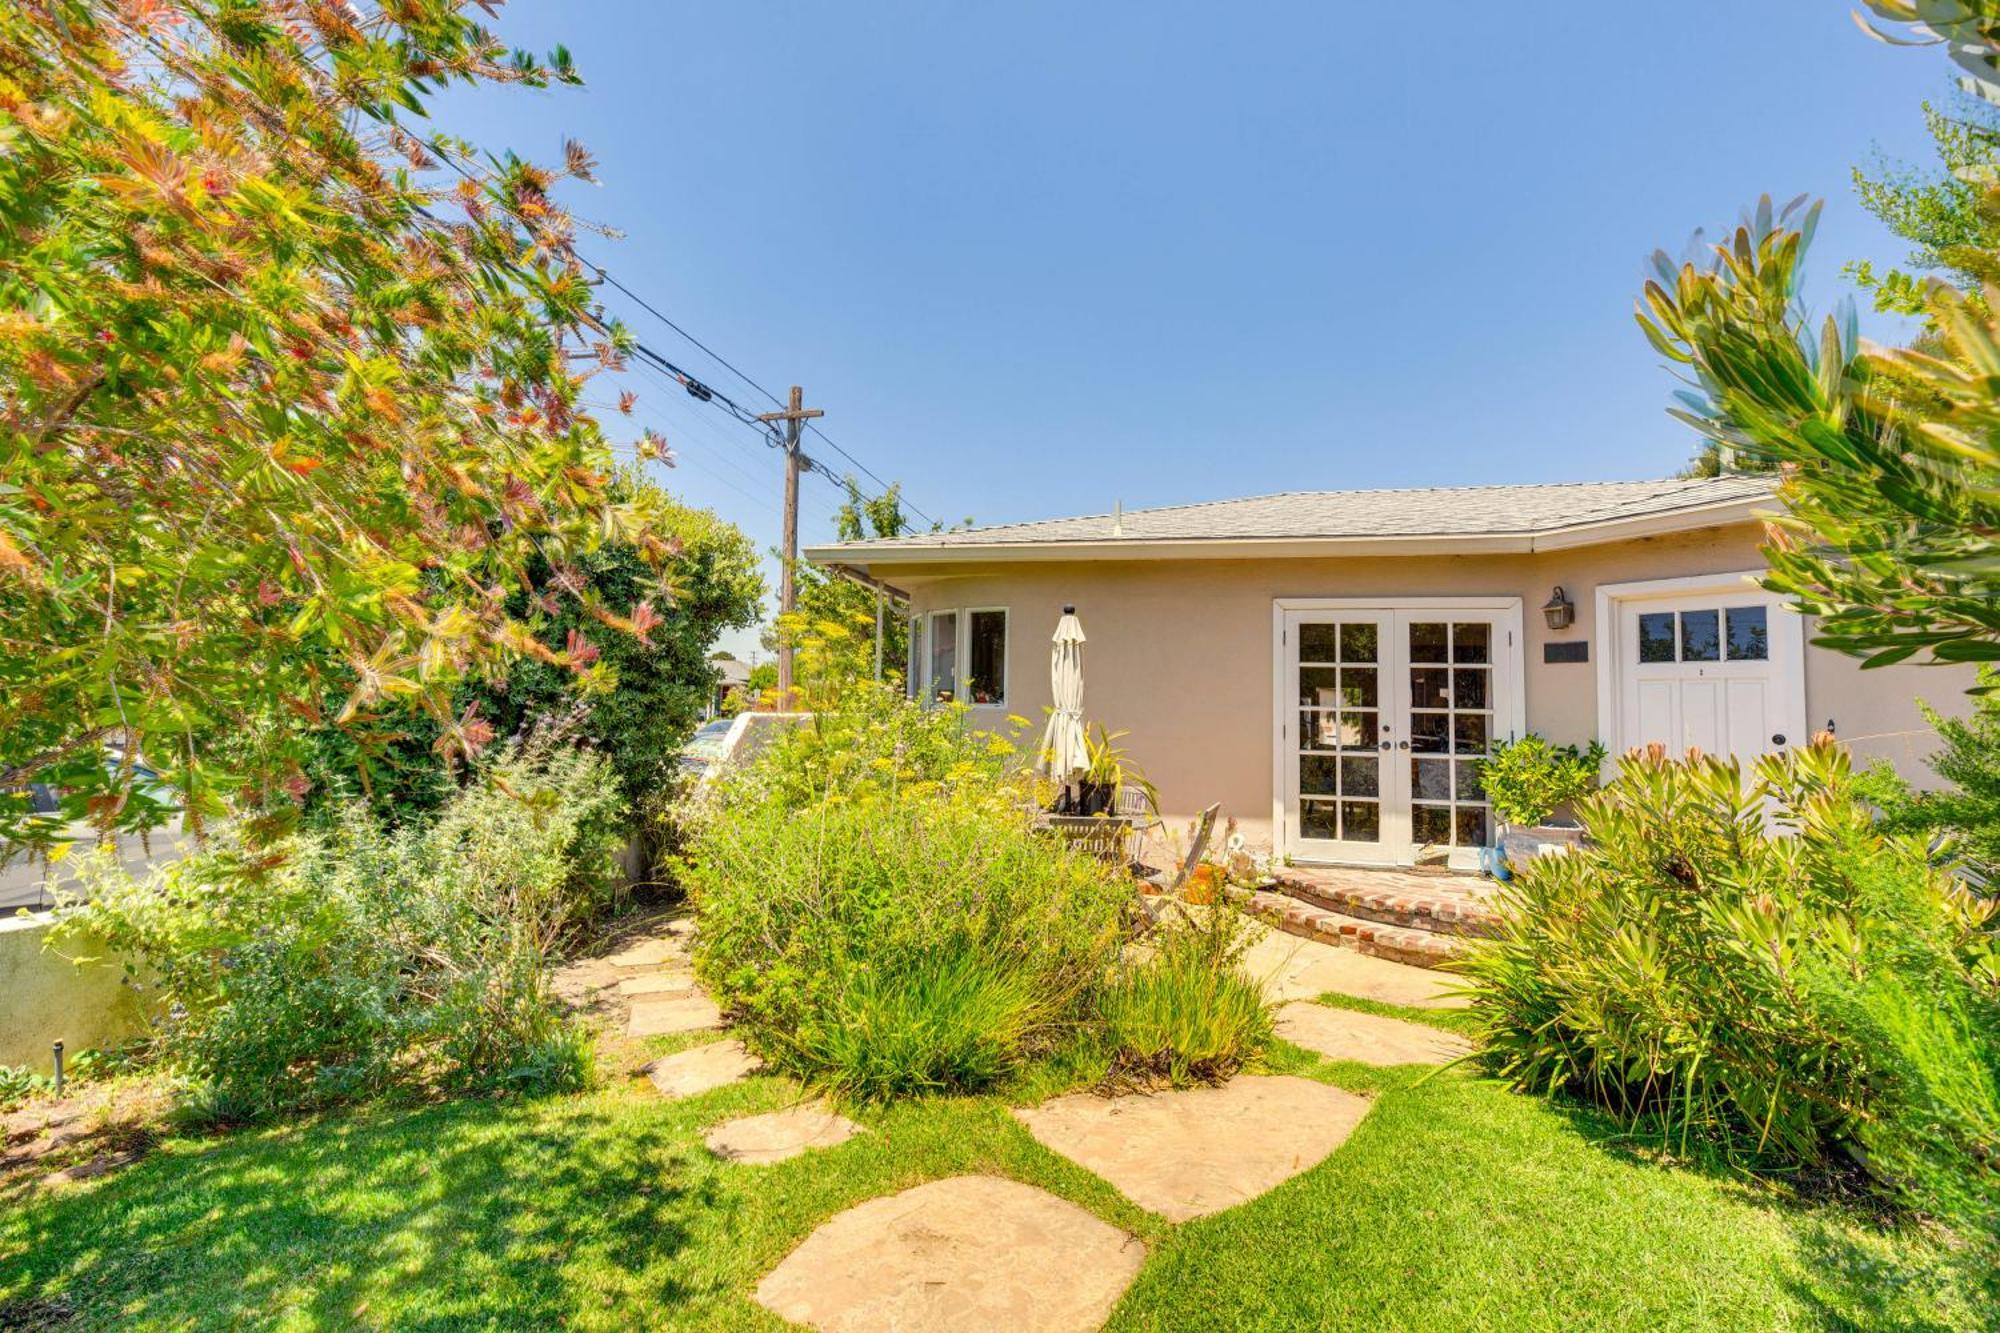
[(1522, 517)]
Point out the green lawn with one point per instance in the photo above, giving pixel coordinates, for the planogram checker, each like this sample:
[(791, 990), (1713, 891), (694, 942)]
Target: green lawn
[(1455, 1205)]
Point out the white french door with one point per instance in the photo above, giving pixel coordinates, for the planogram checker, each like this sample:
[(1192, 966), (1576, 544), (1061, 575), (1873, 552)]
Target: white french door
[(1383, 715)]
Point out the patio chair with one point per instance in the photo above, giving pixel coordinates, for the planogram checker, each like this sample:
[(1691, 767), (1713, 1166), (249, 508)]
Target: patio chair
[(1204, 829), (1144, 816)]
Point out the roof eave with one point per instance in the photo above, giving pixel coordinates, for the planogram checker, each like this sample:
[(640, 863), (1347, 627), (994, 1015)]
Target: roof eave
[(864, 556)]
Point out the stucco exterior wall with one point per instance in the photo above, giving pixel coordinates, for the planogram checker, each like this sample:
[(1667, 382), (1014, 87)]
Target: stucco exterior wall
[(45, 998), (1180, 651)]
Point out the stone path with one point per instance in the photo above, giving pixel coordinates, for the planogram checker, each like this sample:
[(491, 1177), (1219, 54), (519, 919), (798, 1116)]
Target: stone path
[(702, 1069), (1298, 969), (690, 1012), (1196, 1151), (760, 1140), (1342, 1034), (971, 1252)]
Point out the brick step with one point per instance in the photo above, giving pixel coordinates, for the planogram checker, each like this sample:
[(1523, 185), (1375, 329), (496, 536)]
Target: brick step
[(1443, 910), (1398, 944)]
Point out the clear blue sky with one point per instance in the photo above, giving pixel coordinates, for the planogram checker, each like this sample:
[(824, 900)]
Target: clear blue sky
[(1032, 258)]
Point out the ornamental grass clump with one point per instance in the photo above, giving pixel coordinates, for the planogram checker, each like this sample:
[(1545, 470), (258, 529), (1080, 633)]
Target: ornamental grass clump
[(1183, 1011), (1756, 967)]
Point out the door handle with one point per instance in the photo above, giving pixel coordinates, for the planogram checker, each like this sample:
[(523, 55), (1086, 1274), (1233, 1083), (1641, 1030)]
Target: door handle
[(1385, 745), (1402, 745)]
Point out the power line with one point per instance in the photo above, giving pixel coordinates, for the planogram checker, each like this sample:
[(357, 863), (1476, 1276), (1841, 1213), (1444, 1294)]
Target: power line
[(694, 387)]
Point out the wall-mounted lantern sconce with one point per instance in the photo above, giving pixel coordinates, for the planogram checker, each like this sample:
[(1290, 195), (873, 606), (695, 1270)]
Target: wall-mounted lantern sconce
[(1560, 610)]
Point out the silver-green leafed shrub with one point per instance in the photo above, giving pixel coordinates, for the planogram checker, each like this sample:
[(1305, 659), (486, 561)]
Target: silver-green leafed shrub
[(357, 958)]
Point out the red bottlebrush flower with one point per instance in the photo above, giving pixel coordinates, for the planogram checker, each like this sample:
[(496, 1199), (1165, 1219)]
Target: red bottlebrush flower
[(644, 619), (581, 651)]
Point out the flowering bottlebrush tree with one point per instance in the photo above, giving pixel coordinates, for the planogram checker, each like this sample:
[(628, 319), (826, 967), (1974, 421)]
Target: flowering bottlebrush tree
[(1887, 460), (289, 395)]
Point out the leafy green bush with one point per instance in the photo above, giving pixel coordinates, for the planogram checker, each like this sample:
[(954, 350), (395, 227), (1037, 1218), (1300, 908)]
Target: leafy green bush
[(358, 958), (1528, 779), (1968, 811), (1184, 1012), (1795, 992)]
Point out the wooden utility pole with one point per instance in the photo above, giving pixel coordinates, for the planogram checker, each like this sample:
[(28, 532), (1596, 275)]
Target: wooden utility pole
[(794, 418)]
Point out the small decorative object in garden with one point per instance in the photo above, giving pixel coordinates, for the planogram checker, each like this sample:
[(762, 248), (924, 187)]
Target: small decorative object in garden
[(1528, 781)]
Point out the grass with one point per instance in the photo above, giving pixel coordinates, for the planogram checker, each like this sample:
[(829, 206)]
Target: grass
[(1456, 1204)]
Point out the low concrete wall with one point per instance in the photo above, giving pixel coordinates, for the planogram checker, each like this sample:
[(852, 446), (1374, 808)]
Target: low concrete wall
[(45, 998)]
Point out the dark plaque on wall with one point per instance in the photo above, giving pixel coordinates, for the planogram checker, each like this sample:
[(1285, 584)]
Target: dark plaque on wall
[(1567, 652)]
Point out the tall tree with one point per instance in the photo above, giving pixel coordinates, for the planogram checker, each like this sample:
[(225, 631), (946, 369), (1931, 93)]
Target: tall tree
[(1888, 459), (288, 409)]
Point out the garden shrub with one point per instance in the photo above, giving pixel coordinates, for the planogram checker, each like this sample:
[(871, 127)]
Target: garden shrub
[(357, 957), (1759, 967), (882, 920)]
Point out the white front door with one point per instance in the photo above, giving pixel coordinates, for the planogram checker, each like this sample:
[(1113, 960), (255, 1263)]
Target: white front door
[(1384, 712), (1717, 670)]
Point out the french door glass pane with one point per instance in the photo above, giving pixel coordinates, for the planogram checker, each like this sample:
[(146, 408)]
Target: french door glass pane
[(1471, 642), (1360, 775), (1357, 687), (1430, 642), (1430, 732), (1430, 779), (1357, 643), (1430, 825), (1318, 776), (1317, 820), (1468, 687), (1319, 687), (1469, 733), (1473, 828), (1430, 687), (1361, 821), (1470, 788), (1319, 643)]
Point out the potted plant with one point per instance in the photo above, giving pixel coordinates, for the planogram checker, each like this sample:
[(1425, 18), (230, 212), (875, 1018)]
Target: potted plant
[(1107, 771), (1528, 781)]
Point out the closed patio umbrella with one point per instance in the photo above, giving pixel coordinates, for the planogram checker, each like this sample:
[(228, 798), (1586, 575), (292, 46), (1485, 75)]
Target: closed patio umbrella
[(1063, 751)]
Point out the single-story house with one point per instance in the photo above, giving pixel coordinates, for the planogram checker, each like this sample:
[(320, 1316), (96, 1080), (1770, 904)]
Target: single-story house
[(1325, 663)]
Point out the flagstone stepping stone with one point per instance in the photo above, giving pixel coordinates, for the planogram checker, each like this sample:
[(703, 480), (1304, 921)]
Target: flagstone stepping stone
[(657, 983), (680, 1013), (1341, 1034), (1296, 969), (971, 1252), (645, 955), (702, 1069), (1196, 1151), (759, 1140)]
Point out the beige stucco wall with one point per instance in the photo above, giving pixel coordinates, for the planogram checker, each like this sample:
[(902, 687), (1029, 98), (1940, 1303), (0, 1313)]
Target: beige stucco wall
[(1180, 652), (44, 997)]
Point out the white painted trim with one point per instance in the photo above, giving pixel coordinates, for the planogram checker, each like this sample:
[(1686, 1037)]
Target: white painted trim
[(1787, 641), (864, 557)]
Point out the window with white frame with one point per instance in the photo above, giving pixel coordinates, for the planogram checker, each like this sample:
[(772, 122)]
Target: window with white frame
[(961, 653)]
